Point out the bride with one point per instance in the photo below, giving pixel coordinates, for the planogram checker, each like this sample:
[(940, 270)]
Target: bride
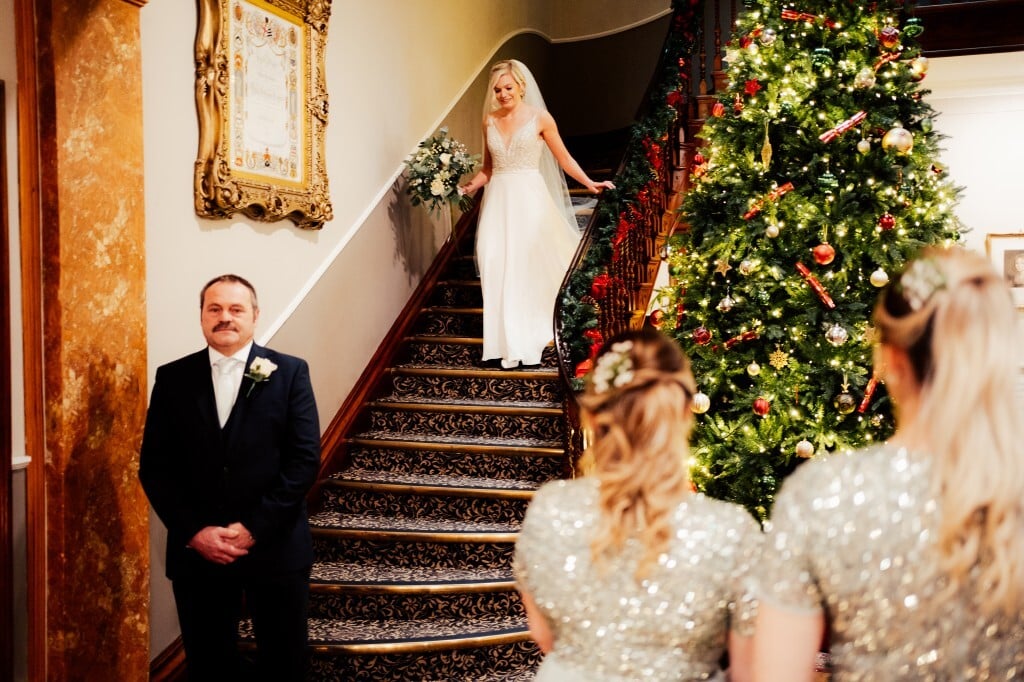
[(527, 233)]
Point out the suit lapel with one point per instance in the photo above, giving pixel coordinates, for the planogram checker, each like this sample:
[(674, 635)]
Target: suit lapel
[(206, 400)]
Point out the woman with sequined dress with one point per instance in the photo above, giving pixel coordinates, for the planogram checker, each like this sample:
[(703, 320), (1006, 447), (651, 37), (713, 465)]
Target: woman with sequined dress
[(527, 232), (912, 552), (625, 573)]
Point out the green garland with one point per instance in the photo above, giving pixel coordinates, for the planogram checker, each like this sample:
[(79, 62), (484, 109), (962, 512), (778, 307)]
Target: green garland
[(579, 314)]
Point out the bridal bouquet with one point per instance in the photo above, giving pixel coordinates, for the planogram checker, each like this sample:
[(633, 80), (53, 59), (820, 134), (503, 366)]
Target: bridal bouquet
[(434, 171)]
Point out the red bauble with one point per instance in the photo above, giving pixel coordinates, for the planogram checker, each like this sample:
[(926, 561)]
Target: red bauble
[(889, 37), (762, 406), (698, 159), (702, 336), (823, 254), (656, 317), (887, 221), (584, 368)]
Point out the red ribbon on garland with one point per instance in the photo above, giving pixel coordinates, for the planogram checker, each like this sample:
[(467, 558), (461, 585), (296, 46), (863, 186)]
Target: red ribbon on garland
[(816, 285), (830, 135)]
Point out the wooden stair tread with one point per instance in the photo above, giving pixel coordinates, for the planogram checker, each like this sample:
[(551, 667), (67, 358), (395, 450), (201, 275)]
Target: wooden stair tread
[(409, 636), (462, 371)]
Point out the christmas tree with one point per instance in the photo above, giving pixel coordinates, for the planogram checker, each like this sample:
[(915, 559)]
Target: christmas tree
[(819, 179)]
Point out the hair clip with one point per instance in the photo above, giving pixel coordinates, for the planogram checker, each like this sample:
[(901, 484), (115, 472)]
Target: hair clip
[(920, 281), (614, 369)]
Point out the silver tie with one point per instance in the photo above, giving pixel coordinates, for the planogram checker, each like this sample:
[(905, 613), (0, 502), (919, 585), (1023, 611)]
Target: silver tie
[(224, 388)]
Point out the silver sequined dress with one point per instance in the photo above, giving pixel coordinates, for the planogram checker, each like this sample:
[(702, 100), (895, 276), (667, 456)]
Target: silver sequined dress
[(672, 625), (855, 533)]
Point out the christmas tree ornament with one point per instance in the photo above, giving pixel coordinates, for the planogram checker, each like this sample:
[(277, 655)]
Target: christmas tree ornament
[(804, 449), (753, 369), (836, 334), (864, 146), (700, 403), (864, 79), (768, 37), (726, 304), (584, 367), (737, 103), (823, 253), (898, 139), (772, 196), (887, 221), (879, 278), (762, 406), (927, 125), (701, 336), (748, 335), (869, 391), (722, 267), (772, 230), (918, 67), (844, 402), (832, 134), (821, 58), (828, 182), (747, 267), (889, 37), (913, 27), (665, 252), (766, 149), (778, 358), (813, 282)]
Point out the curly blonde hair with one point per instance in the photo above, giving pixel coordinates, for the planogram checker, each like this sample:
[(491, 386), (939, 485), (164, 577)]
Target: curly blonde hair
[(641, 423), (498, 69), (953, 316)]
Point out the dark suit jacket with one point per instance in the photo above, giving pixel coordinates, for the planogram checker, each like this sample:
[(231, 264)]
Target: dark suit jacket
[(257, 469)]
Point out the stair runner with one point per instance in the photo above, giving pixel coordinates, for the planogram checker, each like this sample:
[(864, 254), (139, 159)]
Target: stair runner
[(412, 578)]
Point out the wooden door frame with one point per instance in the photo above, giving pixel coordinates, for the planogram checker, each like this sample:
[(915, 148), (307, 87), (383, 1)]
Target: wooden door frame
[(6, 449)]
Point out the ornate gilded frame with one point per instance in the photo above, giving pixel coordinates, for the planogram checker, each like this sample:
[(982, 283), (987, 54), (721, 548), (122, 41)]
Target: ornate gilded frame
[(264, 60)]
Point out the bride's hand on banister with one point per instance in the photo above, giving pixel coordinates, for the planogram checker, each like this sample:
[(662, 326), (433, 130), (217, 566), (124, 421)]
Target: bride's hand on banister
[(597, 187)]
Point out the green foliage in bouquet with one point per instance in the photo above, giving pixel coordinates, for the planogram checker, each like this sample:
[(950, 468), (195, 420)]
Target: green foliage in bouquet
[(434, 171)]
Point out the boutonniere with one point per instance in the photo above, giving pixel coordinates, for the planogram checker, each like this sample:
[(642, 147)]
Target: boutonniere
[(259, 371)]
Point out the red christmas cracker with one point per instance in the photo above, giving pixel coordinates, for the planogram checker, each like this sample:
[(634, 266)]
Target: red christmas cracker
[(745, 336), (830, 135), (886, 58), (816, 285), (772, 196), (868, 392), (793, 15)]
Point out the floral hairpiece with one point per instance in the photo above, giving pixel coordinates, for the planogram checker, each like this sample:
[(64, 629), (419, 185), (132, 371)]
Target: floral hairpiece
[(920, 281), (614, 369)]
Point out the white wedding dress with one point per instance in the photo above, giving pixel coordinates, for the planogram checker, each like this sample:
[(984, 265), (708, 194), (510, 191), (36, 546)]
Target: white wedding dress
[(524, 247)]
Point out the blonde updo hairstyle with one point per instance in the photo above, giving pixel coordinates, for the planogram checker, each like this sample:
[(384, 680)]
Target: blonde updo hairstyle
[(640, 418), (952, 314), (499, 69)]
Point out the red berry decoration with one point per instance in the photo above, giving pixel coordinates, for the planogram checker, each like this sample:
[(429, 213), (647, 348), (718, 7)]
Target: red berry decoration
[(887, 221), (823, 254), (762, 406), (701, 336)]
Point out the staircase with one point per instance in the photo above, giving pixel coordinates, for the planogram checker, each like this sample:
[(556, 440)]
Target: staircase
[(414, 538)]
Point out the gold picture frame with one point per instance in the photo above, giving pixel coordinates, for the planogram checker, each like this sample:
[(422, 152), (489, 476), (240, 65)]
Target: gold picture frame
[(1006, 252), (262, 105)]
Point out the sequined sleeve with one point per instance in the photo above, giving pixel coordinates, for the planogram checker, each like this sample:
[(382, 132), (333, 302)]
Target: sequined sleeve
[(786, 576), (537, 532), (743, 608)]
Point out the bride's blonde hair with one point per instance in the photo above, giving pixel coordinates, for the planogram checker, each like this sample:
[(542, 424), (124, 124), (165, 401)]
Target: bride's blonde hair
[(953, 316), (637, 403), (499, 69)]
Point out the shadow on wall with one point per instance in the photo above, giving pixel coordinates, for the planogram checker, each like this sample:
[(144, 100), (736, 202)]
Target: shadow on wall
[(418, 232)]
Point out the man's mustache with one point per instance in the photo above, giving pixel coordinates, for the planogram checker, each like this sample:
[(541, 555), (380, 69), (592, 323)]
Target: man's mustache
[(224, 326)]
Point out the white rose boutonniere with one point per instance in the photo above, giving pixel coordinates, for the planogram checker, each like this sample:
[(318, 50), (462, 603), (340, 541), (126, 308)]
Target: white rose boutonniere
[(259, 371)]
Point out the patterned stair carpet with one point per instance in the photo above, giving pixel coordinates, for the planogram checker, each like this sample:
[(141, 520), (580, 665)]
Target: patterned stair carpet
[(414, 539)]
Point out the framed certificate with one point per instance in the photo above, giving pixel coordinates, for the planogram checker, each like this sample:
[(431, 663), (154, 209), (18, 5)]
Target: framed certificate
[(262, 106)]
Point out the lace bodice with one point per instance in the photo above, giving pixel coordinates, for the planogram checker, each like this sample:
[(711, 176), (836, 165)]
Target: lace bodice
[(520, 152)]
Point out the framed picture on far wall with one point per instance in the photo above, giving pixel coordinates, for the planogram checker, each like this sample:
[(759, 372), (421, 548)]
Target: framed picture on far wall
[(261, 98), (1006, 251)]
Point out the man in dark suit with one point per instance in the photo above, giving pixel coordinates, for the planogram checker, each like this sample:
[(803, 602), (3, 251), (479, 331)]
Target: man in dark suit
[(230, 450)]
